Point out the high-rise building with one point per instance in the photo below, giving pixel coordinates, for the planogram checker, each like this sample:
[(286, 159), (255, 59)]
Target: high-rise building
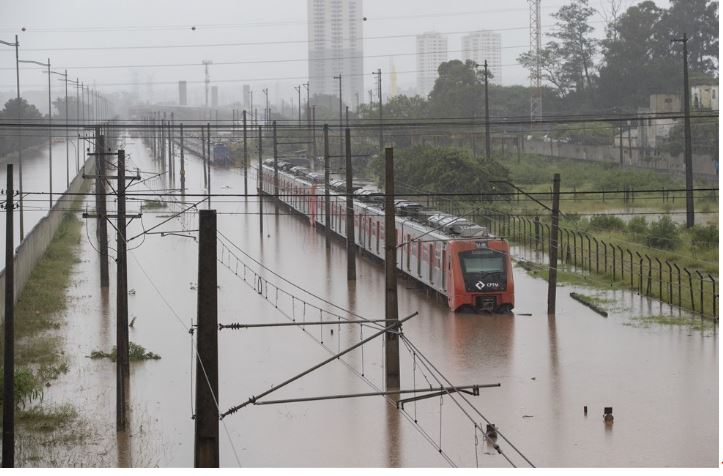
[(214, 96), (335, 47), (431, 51), (485, 45), (182, 96)]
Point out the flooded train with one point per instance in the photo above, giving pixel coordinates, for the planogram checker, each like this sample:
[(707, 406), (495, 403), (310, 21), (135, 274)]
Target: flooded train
[(450, 255)]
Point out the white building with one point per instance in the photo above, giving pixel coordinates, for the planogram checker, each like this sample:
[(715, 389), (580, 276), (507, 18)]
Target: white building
[(431, 51), (484, 45), (704, 97), (335, 47)]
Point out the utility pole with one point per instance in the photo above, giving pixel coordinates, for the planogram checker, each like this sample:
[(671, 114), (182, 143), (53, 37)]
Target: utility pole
[(183, 165), (327, 198), (203, 156), (313, 130), (260, 183), (276, 172), (391, 310), (172, 150), (381, 126), (9, 343), (689, 204), (122, 366), (554, 231), (208, 150), (341, 120), (487, 117), (350, 243), (207, 79), (206, 453), (298, 91), (100, 206), (246, 157), (50, 139), (308, 117), (266, 112)]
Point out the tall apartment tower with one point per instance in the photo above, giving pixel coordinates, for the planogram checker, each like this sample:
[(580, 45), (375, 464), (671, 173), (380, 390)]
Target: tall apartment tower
[(182, 95), (485, 45), (335, 47), (431, 51)]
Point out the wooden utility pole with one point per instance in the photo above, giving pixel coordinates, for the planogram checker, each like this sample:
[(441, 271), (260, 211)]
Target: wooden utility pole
[(9, 344), (350, 244), (246, 157), (327, 198), (100, 206), (206, 454), (122, 366), (260, 181), (183, 164), (554, 231), (391, 311)]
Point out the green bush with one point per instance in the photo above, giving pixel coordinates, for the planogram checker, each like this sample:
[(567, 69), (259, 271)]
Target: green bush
[(638, 226), (26, 387), (606, 222), (705, 236), (663, 234)]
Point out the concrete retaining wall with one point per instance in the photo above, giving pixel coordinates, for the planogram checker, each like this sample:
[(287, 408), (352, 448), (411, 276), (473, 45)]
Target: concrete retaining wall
[(703, 165), (33, 247)]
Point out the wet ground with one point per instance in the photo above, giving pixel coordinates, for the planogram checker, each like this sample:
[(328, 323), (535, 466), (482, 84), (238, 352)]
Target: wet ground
[(661, 380)]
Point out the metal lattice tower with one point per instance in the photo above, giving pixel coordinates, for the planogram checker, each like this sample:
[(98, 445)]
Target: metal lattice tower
[(535, 48), (208, 77)]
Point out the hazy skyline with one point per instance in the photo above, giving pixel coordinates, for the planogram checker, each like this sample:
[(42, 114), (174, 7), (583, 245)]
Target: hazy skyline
[(126, 46)]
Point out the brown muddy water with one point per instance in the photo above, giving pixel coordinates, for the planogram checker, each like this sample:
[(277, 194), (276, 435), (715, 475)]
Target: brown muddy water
[(661, 380)]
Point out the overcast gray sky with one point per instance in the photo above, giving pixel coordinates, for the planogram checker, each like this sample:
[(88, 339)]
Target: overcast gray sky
[(86, 37)]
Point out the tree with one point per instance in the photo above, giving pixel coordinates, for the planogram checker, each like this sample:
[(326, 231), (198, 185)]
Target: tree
[(698, 19), (9, 143), (458, 91), (441, 169), (567, 60)]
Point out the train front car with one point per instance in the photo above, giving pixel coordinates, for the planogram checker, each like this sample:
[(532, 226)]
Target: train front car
[(480, 276)]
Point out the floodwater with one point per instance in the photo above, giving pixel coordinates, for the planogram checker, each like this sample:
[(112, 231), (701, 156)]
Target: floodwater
[(662, 381), (36, 178)]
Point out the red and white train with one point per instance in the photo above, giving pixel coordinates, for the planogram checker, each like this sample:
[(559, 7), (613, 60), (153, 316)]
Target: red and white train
[(458, 259)]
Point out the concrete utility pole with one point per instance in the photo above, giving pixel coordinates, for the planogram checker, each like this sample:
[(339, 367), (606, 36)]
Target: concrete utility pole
[(122, 365), (276, 172), (488, 147), (313, 130), (208, 149), (246, 157), (554, 231), (327, 198), (267, 112), (100, 206), (350, 243), (9, 325), (689, 204), (203, 157), (206, 454), (298, 91), (341, 120), (260, 182), (308, 117), (391, 310), (381, 126), (183, 164)]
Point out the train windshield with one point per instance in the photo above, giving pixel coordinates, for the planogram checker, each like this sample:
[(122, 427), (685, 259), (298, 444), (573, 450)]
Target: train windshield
[(482, 261)]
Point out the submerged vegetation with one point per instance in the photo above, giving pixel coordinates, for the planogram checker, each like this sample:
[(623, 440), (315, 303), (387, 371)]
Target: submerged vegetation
[(135, 353)]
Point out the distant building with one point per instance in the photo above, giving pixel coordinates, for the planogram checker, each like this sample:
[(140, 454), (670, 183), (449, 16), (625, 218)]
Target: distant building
[(485, 45), (652, 132), (214, 96), (431, 52), (704, 97), (182, 95), (335, 48)]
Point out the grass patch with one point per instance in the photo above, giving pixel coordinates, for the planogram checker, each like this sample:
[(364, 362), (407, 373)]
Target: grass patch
[(136, 353), (41, 419), (646, 322), (591, 302), (564, 277)]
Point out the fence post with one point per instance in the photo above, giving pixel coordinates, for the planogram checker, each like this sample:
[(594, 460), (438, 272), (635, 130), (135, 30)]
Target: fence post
[(670, 282), (677, 268), (537, 233), (690, 284), (712, 281), (700, 276), (640, 272), (597, 256)]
